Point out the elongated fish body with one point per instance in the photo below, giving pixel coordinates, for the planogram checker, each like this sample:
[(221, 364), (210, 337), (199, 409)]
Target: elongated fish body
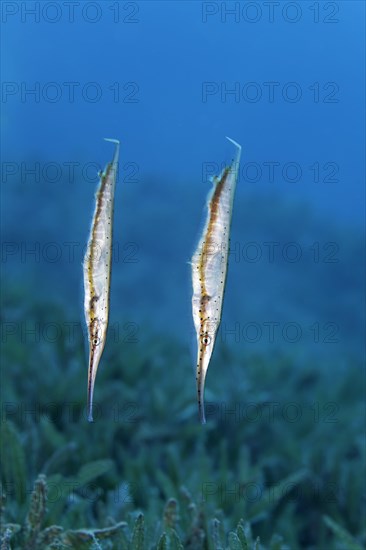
[(97, 271), (209, 268)]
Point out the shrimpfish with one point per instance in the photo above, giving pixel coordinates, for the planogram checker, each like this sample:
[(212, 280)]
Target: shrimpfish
[(209, 268), (97, 271)]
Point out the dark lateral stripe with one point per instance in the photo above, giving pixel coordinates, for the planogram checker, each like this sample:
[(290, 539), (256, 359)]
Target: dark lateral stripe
[(96, 217), (213, 213)]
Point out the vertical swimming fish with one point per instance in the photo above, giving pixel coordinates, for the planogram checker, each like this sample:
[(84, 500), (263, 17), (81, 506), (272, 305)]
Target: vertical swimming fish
[(209, 267), (97, 270)]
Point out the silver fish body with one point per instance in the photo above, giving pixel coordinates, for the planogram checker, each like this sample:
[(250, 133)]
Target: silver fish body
[(97, 271), (209, 269)]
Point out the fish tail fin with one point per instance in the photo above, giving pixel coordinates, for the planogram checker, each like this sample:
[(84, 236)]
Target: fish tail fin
[(117, 143), (236, 162), (234, 142)]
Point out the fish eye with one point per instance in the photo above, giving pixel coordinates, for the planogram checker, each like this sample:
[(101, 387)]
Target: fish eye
[(95, 341), (206, 340)]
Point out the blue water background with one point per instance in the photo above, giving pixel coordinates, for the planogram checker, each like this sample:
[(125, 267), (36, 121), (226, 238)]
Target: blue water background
[(169, 134)]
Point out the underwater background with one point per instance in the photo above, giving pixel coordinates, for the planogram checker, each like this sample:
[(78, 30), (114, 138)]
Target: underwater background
[(281, 460)]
